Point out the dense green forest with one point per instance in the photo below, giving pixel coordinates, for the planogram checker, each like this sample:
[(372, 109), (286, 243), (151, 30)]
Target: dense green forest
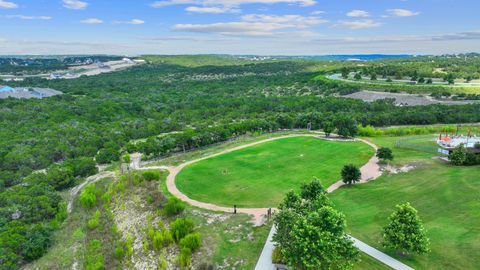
[(193, 106)]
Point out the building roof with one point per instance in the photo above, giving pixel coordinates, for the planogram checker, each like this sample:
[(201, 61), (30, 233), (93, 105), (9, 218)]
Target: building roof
[(455, 141), (4, 88)]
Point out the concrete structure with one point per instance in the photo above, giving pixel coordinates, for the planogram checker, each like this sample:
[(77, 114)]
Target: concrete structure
[(27, 92), (448, 143), (5, 89)]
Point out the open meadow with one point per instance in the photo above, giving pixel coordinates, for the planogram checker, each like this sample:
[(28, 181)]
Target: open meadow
[(259, 176)]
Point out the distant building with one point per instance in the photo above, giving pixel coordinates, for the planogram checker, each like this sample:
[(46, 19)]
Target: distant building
[(27, 93), (6, 89), (448, 143), (128, 60)]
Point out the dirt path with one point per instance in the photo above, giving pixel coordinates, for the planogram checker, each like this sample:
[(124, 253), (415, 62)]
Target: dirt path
[(370, 171), (92, 179)]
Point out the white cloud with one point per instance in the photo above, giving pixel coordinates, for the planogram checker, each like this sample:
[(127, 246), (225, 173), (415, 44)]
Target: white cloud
[(297, 20), (358, 13), (6, 4), (398, 12), (215, 10), (229, 3), (358, 24), (229, 27), (133, 22), (317, 12), (258, 25), (23, 17), (75, 4), (92, 21)]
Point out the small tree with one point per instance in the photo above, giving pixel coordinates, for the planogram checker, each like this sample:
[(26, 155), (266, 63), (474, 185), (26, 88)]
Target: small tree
[(385, 154), (458, 156), (345, 73), (351, 174), (127, 159), (328, 128), (357, 76), (429, 81), (373, 77), (405, 232)]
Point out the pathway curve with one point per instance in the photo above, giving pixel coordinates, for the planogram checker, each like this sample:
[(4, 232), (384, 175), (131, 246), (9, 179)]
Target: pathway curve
[(370, 171), (92, 179)]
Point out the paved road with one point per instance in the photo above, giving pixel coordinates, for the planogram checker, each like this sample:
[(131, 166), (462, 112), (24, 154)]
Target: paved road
[(265, 260)]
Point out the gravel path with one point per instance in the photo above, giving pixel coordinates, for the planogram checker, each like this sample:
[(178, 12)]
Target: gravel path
[(370, 171)]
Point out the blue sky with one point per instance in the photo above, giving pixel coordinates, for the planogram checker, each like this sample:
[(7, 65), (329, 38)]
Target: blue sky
[(290, 27)]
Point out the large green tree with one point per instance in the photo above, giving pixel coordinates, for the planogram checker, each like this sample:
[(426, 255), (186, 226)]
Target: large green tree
[(310, 233), (405, 232)]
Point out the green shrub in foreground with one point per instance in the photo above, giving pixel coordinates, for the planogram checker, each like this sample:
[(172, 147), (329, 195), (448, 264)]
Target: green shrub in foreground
[(94, 259), (88, 197), (174, 206), (192, 241), (184, 258), (94, 221), (180, 227), (277, 256), (151, 175)]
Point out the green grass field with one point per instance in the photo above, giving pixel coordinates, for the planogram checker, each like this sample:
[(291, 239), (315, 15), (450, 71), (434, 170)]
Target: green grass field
[(260, 175), (447, 198)]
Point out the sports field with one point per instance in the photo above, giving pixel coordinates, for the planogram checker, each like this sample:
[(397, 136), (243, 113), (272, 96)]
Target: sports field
[(260, 175)]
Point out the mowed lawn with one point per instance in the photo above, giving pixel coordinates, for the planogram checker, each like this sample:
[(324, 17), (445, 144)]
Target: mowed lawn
[(446, 197), (260, 175)]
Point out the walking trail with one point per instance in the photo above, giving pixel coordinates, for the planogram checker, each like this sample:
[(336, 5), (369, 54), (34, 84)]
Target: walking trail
[(369, 171)]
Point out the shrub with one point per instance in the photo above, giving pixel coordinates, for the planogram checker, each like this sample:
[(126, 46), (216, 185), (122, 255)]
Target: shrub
[(129, 245), (174, 206), (184, 258), (180, 227), (119, 250), (277, 256), (191, 241), (458, 156), (88, 198), (162, 263), (93, 222), (94, 259), (151, 175)]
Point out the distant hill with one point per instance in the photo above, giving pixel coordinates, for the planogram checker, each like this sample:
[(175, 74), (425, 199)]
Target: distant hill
[(344, 57)]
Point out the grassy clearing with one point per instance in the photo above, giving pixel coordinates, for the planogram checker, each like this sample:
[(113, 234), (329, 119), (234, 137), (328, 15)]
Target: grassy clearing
[(446, 197), (179, 158), (260, 175)]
